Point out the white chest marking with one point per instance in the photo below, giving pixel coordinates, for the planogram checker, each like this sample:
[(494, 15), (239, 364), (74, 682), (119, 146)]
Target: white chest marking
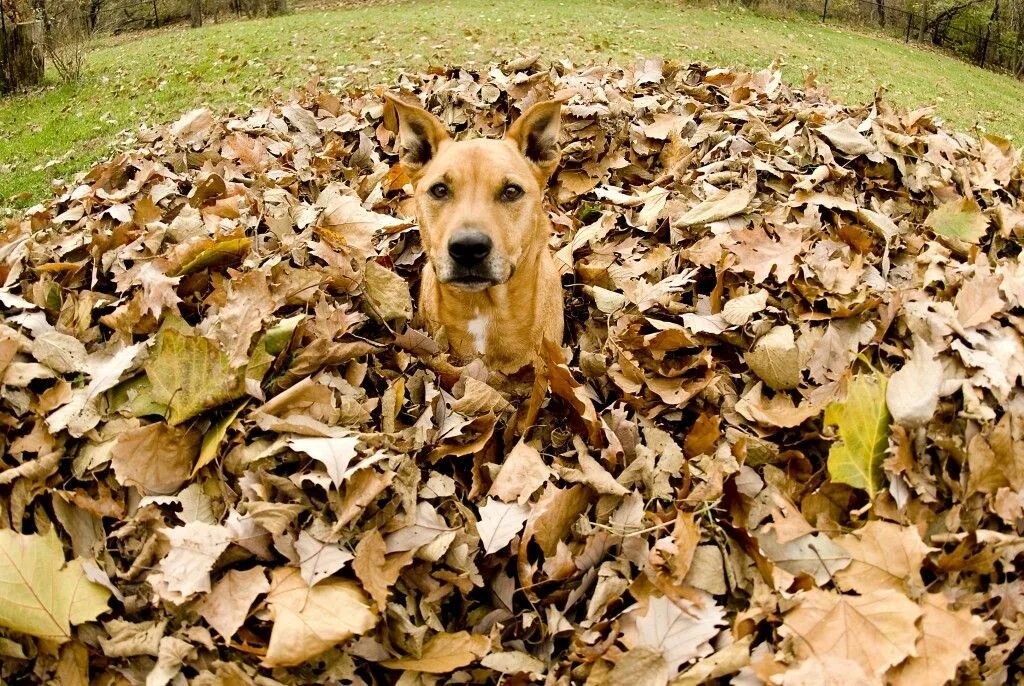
[(477, 328)]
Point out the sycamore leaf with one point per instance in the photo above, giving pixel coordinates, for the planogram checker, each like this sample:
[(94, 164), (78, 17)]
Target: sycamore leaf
[(213, 438), (346, 223), (218, 254), (884, 555), (847, 139), (156, 458), (912, 393), (945, 642), (863, 434), (978, 299), (377, 571), (775, 359), (227, 605), (195, 548), (514, 662), (721, 205), (387, 293), (680, 630), (189, 374), (877, 630), (308, 621), (813, 554), (444, 653), (336, 454), (738, 311), (962, 219), (319, 560), (522, 473), (41, 595), (500, 522), (759, 253)]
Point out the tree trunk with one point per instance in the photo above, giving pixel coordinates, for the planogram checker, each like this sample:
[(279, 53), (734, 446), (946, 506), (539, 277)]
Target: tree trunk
[(275, 7), (983, 47), (21, 56), (880, 4), (196, 13)]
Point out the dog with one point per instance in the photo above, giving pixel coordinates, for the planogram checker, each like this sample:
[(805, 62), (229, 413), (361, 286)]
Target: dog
[(490, 282)]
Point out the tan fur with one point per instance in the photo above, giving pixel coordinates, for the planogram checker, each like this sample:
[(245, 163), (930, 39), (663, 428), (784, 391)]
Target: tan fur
[(506, 321)]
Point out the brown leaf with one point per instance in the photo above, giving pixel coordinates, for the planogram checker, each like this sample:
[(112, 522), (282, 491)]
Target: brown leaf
[(877, 630), (155, 458), (444, 653)]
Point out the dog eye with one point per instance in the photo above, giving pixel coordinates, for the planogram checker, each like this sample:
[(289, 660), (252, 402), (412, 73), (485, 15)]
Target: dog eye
[(511, 192), (439, 191)]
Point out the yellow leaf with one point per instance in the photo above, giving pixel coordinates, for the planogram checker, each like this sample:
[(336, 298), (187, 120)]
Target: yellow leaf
[(212, 439), (38, 597), (190, 374), (961, 219), (308, 621), (219, 254), (444, 653), (863, 421)]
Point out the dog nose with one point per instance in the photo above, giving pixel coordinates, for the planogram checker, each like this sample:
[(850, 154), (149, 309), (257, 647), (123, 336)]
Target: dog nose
[(469, 247)]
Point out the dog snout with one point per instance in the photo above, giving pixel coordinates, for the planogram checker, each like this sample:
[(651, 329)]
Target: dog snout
[(469, 247)]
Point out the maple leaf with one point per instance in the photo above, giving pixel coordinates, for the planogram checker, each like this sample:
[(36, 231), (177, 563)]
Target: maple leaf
[(863, 434), (335, 453), (43, 596), (158, 289), (877, 630)]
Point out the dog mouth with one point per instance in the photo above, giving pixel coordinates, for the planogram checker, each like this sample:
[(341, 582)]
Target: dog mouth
[(471, 282)]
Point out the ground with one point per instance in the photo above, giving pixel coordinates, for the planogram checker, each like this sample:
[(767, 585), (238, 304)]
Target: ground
[(154, 77)]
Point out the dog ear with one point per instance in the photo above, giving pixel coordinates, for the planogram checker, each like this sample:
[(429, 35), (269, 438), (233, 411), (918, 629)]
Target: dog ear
[(419, 133), (536, 135)]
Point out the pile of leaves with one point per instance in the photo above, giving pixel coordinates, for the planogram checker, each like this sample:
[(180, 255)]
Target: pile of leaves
[(786, 444)]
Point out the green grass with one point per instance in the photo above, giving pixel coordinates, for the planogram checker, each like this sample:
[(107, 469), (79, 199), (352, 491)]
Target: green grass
[(152, 78)]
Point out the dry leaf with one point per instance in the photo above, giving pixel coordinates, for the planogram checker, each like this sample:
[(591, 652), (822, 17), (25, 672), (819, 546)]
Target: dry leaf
[(308, 621)]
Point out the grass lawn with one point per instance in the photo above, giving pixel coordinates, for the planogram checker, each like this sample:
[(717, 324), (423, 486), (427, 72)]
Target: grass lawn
[(151, 78)]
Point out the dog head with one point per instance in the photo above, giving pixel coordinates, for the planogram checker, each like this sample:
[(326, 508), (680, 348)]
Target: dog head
[(478, 201)]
